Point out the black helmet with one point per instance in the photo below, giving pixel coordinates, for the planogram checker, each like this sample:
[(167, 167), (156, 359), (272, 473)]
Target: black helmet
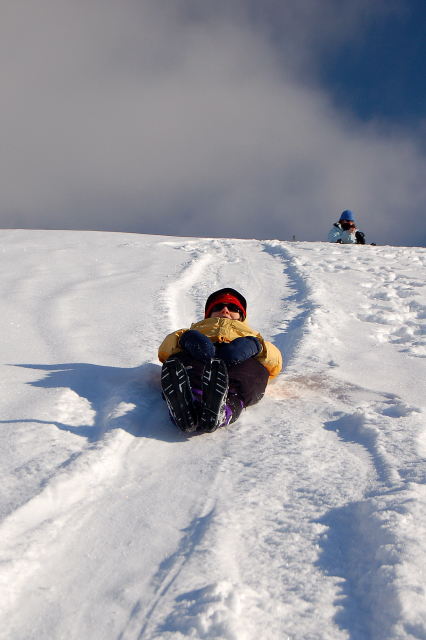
[(225, 295)]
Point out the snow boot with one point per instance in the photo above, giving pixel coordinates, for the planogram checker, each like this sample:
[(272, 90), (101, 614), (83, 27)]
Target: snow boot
[(178, 395), (215, 389)]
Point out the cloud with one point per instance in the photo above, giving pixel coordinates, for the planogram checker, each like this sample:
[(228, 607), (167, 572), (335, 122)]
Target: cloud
[(180, 118)]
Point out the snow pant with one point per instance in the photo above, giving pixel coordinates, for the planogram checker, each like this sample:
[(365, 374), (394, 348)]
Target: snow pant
[(247, 381)]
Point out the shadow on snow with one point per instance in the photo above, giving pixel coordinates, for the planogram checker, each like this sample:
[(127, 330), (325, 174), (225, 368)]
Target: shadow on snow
[(119, 398)]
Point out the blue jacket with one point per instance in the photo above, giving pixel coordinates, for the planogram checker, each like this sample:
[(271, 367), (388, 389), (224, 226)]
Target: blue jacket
[(337, 233)]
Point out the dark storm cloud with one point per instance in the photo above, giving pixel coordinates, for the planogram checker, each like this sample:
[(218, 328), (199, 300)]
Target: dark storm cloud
[(193, 118)]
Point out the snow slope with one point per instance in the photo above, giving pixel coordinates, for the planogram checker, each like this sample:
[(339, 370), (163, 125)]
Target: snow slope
[(305, 519)]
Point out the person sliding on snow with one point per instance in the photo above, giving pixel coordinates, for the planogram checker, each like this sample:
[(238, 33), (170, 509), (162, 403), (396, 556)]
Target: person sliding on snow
[(345, 231), (219, 366)]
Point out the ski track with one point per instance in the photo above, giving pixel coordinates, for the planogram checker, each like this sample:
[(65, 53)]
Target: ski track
[(371, 534), (274, 528)]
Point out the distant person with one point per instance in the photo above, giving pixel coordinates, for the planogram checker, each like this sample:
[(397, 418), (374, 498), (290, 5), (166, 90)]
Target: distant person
[(345, 231), (219, 366)]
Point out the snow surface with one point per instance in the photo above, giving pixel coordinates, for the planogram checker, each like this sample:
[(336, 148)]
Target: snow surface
[(305, 519)]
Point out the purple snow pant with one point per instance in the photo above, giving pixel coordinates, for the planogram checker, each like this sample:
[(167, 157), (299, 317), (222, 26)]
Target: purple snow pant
[(247, 381)]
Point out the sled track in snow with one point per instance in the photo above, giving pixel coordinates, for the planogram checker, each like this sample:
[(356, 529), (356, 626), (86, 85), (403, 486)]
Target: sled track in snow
[(213, 264), (257, 445)]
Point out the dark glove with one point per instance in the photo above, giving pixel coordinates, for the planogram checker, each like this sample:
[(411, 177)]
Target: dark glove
[(239, 350), (198, 345), (360, 237)]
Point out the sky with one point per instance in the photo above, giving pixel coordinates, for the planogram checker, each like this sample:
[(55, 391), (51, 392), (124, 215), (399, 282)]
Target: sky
[(238, 118)]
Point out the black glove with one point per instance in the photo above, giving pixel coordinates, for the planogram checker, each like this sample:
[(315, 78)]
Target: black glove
[(360, 237), (239, 350), (198, 345)]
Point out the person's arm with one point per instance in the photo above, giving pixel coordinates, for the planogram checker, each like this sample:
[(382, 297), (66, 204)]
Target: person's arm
[(349, 237), (339, 235), (270, 357), (239, 349), (335, 233), (170, 345), (199, 346)]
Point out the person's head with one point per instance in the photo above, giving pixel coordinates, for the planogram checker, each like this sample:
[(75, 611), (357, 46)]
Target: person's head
[(347, 220), (226, 303)]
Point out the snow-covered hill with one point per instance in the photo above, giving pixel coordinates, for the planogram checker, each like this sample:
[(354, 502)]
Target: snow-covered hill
[(305, 519)]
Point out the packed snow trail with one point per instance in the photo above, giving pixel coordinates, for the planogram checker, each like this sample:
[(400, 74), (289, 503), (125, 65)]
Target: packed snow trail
[(305, 519)]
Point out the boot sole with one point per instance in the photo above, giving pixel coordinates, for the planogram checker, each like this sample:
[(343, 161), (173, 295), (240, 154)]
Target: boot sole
[(178, 395), (215, 389)]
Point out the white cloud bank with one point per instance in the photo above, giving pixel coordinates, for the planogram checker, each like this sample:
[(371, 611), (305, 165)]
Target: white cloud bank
[(127, 116)]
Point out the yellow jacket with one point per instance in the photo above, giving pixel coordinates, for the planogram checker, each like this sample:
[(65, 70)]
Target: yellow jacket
[(225, 330)]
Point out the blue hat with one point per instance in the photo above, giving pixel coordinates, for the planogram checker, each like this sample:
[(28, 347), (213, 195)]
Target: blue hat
[(347, 215)]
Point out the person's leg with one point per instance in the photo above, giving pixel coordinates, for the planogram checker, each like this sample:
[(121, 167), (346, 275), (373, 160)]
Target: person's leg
[(178, 394), (208, 390), (247, 384), (204, 393), (247, 381), (214, 396), (233, 409), (194, 368)]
